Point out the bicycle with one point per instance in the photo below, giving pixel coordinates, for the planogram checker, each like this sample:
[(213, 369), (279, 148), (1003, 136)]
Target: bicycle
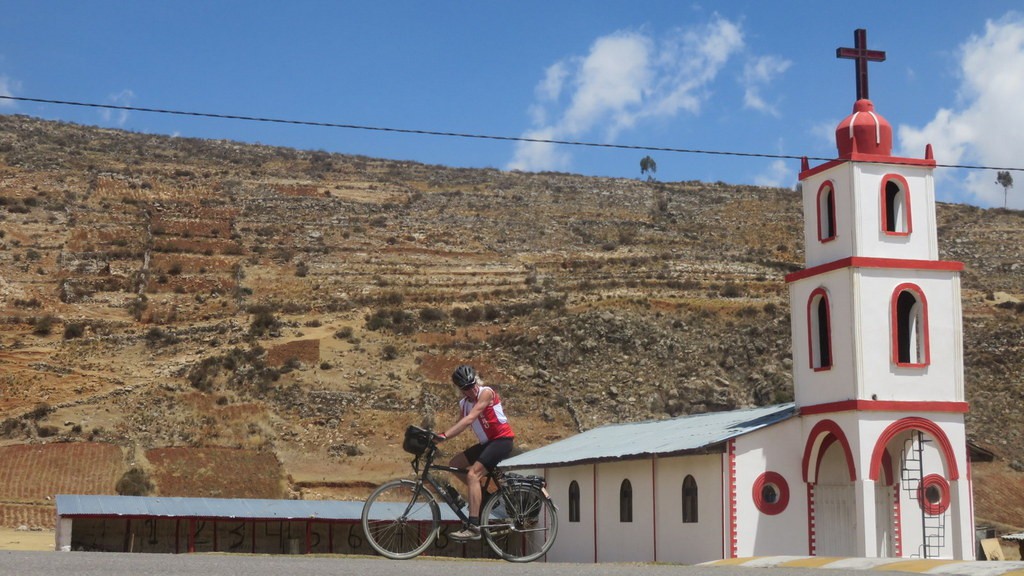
[(402, 518)]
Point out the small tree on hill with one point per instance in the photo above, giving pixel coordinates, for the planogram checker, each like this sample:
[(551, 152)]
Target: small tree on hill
[(648, 166), (1004, 179)]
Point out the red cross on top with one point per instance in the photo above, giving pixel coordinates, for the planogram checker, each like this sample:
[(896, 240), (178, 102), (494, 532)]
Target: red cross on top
[(862, 56)]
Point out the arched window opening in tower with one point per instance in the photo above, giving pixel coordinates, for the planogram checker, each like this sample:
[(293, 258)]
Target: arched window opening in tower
[(896, 219), (826, 212), (820, 335), (910, 345)]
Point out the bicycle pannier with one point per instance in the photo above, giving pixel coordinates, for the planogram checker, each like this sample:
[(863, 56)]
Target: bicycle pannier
[(416, 440)]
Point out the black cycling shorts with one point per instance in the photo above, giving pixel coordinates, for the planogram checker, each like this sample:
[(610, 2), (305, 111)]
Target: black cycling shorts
[(489, 454)]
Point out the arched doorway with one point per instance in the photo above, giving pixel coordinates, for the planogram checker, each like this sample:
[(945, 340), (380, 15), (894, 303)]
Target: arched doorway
[(830, 473), (914, 456)]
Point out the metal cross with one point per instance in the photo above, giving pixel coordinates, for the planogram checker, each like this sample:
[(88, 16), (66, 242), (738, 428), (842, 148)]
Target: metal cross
[(862, 56)]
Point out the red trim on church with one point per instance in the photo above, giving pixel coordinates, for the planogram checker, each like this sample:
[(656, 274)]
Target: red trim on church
[(828, 432), (733, 521), (781, 488), (915, 423), (885, 406), (812, 533), (940, 484), (869, 158), (885, 263)]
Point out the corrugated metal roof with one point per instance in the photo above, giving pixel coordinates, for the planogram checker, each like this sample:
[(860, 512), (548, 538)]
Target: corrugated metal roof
[(71, 505), (662, 437)]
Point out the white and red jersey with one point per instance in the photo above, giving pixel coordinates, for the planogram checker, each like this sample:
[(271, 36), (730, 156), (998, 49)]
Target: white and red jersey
[(492, 423)]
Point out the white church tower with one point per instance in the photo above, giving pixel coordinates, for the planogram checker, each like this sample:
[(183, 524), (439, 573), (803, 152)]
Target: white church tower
[(878, 351)]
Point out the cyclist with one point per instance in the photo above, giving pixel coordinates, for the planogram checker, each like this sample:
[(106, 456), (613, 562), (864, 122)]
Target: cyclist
[(480, 408)]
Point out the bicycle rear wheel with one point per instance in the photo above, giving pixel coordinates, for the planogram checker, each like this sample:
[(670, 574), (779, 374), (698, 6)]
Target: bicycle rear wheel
[(519, 523), (401, 519)]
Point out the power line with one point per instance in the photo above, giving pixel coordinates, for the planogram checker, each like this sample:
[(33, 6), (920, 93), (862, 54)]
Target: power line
[(452, 134)]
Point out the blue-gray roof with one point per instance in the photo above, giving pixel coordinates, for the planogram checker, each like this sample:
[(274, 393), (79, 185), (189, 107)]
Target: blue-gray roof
[(71, 505), (692, 434)]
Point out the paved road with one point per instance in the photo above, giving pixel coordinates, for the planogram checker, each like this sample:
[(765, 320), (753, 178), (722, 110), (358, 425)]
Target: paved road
[(113, 564)]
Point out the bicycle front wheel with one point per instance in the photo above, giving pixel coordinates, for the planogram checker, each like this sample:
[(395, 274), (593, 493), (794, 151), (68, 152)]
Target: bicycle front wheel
[(519, 523), (401, 519)]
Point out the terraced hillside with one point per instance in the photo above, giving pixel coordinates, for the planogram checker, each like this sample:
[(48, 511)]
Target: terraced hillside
[(301, 308)]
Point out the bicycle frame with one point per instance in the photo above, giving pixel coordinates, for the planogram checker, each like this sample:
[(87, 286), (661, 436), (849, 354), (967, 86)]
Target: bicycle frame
[(425, 478)]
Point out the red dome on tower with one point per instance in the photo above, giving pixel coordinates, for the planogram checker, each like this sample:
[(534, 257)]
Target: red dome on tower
[(864, 132)]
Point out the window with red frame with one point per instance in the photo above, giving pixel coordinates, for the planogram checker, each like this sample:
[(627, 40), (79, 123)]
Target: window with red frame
[(910, 327)]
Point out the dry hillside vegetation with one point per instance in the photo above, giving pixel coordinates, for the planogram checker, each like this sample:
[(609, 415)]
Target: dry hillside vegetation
[(175, 298)]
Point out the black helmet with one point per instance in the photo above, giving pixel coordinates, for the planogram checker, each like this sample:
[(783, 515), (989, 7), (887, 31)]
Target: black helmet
[(464, 377)]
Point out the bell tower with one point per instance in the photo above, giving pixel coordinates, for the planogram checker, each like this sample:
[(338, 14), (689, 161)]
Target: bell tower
[(878, 350), (876, 314)]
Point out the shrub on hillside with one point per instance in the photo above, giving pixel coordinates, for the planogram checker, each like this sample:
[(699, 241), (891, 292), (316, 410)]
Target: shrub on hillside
[(731, 290), (135, 482), (432, 315), (263, 322), (43, 325), (39, 412), (13, 428), (74, 330)]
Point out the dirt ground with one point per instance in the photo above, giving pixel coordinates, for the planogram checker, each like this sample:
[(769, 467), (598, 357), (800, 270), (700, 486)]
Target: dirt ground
[(13, 539)]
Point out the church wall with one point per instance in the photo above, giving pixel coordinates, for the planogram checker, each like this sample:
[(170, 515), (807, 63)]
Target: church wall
[(817, 253), (859, 216), (575, 541), (836, 384), (776, 449), (619, 541), (689, 542), (942, 379), (871, 241), (872, 289)]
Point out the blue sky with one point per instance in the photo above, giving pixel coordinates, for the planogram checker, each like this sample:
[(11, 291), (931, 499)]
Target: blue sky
[(740, 76)]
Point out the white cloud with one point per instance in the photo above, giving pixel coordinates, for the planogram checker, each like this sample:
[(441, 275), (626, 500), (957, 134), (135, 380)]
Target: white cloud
[(627, 77), (554, 78), (610, 83), (7, 88), (118, 117), (987, 127), (757, 74), (777, 175), (539, 156)]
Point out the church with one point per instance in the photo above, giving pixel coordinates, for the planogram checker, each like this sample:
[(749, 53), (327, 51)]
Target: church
[(870, 460)]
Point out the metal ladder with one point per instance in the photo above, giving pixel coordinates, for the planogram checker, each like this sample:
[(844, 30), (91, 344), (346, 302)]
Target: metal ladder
[(933, 527)]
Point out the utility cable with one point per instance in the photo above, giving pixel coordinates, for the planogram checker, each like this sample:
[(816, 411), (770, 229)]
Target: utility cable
[(454, 134)]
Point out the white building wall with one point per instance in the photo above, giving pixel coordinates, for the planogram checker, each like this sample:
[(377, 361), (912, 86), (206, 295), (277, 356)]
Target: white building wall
[(816, 252), (625, 541), (942, 379), (871, 241), (777, 449), (689, 543), (575, 541), (818, 387), (859, 217), (865, 370)]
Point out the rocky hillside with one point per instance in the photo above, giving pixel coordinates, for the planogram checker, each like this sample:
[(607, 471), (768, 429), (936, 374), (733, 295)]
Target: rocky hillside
[(161, 292)]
